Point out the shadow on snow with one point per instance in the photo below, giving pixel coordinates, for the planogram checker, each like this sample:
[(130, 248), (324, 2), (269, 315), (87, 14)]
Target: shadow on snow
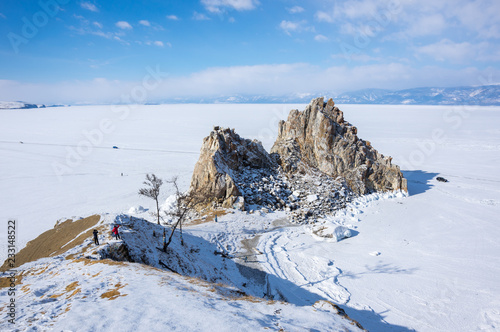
[(201, 258), (419, 181)]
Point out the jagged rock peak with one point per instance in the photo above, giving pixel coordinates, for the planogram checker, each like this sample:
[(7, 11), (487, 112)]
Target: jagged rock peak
[(223, 157), (320, 138)]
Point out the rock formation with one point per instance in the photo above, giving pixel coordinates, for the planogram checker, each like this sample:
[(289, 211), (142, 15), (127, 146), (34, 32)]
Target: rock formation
[(316, 166), (224, 155), (320, 138)]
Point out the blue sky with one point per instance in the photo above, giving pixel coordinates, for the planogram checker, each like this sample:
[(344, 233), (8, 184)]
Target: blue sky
[(95, 51)]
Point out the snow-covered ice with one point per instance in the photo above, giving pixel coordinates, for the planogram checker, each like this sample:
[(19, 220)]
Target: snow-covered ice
[(429, 261)]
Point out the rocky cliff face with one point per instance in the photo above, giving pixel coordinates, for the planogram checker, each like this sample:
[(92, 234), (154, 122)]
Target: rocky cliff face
[(320, 138), (223, 158), (316, 166)]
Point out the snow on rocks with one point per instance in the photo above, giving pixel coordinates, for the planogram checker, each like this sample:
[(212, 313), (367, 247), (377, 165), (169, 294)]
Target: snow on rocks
[(18, 105), (310, 174), (247, 178), (312, 198), (332, 232)]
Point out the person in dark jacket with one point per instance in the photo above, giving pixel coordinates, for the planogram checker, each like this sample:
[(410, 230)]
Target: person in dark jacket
[(96, 239), (164, 241), (115, 232)]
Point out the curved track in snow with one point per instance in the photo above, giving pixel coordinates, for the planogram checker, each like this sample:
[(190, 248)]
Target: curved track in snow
[(289, 258)]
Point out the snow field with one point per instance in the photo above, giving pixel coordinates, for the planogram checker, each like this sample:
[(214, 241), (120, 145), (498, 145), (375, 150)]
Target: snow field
[(429, 261)]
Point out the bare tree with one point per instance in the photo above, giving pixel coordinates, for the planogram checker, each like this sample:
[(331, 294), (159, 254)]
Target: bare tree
[(152, 190), (184, 204)]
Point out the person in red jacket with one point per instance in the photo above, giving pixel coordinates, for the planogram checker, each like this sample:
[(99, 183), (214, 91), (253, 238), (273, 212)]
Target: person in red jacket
[(115, 232)]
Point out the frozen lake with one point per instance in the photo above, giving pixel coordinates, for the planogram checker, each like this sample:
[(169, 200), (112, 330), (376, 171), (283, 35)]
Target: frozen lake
[(439, 254)]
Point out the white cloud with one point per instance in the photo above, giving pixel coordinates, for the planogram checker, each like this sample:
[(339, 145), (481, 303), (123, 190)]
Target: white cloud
[(216, 6), (2, 15), (463, 53), (480, 17), (81, 18), (324, 17), (123, 25), (357, 57), (361, 9), (172, 17), (295, 10), (370, 30), (289, 26), (200, 17), (145, 23), (412, 18), (97, 24), (408, 19), (259, 79), (446, 50), (155, 43), (89, 6), (427, 25), (320, 38), (117, 38), (89, 31)]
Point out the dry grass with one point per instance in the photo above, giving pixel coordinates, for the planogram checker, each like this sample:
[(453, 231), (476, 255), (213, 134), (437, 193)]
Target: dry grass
[(107, 261), (70, 291), (56, 241), (5, 282), (322, 303), (208, 216), (113, 294)]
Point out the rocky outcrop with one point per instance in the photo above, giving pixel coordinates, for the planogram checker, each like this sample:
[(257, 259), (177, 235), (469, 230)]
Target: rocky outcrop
[(223, 158), (320, 138), (316, 166)]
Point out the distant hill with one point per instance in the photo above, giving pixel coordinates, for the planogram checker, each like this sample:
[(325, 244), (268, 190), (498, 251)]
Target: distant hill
[(18, 105), (485, 95), (468, 95)]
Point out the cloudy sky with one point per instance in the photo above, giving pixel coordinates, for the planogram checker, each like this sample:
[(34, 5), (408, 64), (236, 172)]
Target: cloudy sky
[(70, 51)]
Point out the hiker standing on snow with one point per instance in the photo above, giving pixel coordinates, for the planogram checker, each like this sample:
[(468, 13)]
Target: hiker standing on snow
[(96, 240), (115, 232), (164, 241)]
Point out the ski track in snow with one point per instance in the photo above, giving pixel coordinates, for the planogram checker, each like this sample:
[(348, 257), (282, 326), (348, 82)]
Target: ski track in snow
[(289, 264)]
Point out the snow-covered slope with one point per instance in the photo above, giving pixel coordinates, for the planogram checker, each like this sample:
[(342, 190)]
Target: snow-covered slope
[(427, 262), (76, 291)]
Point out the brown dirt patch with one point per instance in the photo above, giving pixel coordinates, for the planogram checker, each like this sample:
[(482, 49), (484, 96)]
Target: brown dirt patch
[(56, 241), (207, 217)]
